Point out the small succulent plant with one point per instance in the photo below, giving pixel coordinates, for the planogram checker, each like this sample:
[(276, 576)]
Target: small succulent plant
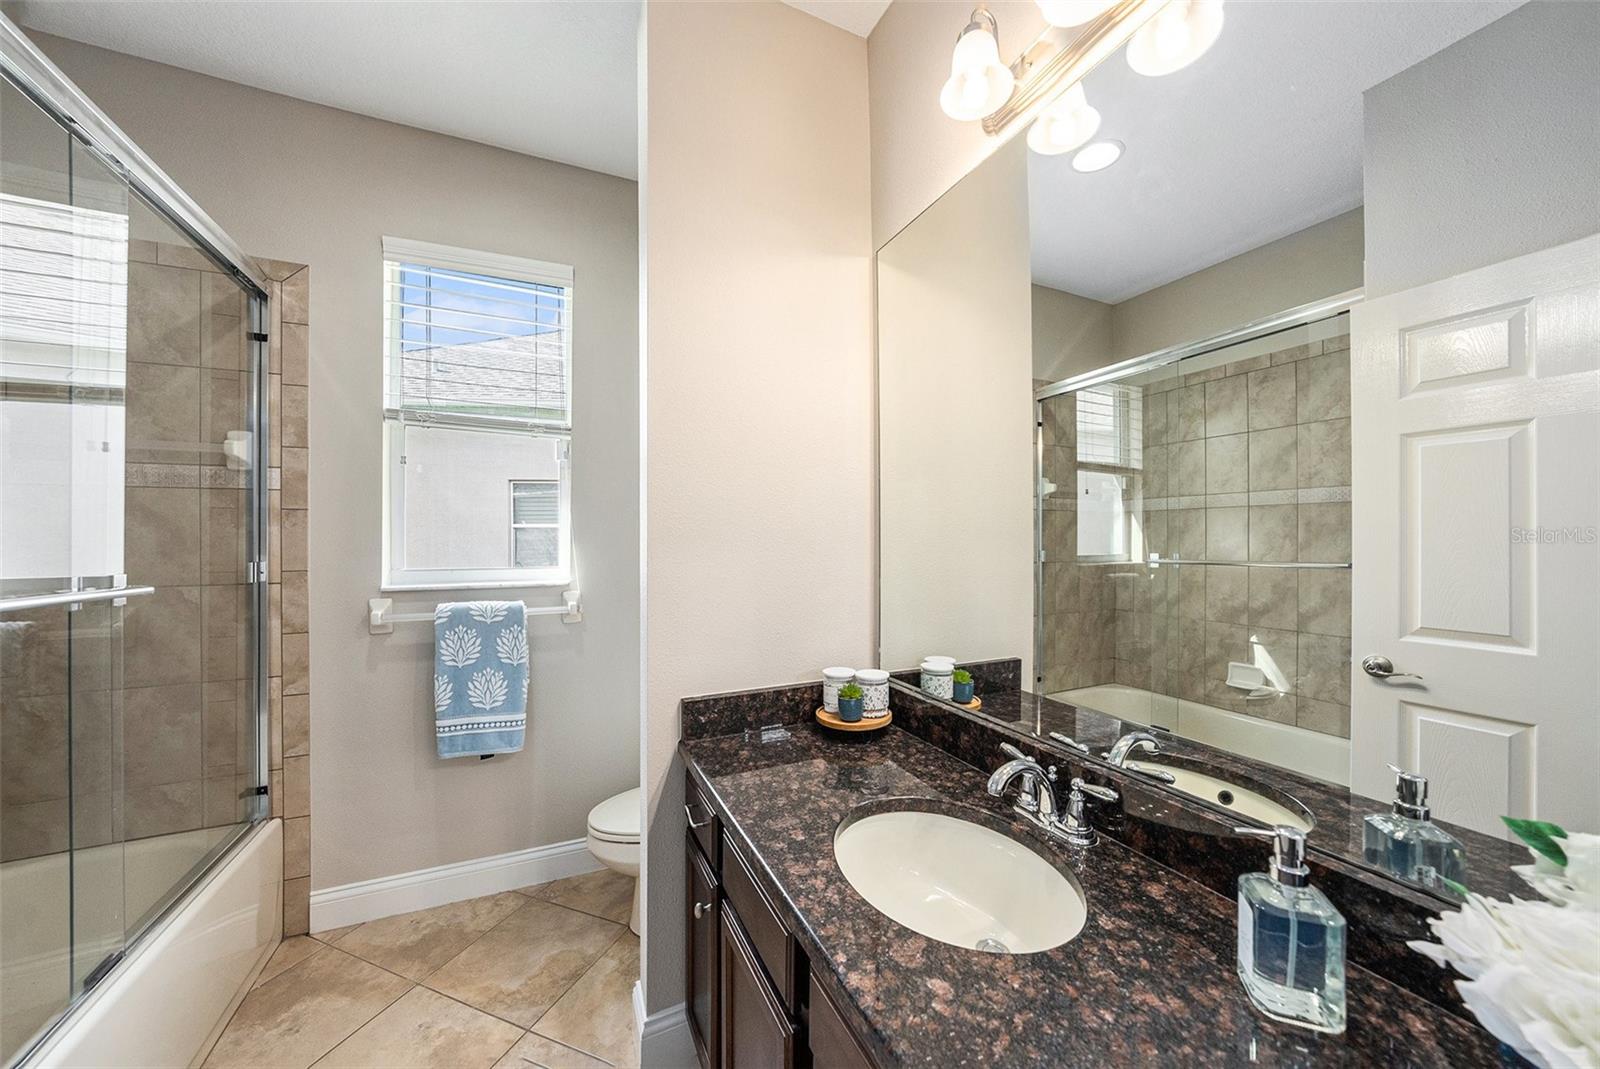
[(849, 692), (961, 675)]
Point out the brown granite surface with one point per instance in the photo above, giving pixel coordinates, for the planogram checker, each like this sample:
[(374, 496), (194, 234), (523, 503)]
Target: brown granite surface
[(1338, 812), (1149, 981)]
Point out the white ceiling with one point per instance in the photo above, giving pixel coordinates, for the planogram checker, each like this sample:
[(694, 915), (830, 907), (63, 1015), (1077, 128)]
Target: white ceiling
[(554, 79), (857, 16), (1258, 139)]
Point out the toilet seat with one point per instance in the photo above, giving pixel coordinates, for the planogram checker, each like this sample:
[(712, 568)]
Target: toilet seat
[(616, 820)]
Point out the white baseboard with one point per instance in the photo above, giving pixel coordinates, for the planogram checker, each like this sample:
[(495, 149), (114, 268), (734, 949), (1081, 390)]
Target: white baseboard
[(355, 903), (664, 1040)]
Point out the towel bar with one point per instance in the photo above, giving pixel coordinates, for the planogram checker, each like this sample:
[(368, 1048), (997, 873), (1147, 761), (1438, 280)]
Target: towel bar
[(381, 620)]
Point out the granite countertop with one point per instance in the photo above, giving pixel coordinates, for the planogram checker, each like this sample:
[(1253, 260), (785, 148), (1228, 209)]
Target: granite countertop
[(1339, 813), (1149, 980)]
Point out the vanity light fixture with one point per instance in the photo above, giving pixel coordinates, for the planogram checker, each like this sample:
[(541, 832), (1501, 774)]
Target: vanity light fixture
[(979, 83), (1097, 157), (1065, 124), (1071, 12), (1176, 37)]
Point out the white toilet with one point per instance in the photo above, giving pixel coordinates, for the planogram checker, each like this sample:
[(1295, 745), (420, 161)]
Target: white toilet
[(614, 840)]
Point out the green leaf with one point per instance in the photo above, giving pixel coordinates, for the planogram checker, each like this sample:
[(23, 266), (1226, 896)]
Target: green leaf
[(1541, 836)]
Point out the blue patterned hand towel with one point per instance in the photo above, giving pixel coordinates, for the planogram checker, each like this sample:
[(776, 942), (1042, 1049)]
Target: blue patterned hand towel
[(480, 677)]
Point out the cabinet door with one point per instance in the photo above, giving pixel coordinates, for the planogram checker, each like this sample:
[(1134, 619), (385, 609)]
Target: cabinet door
[(702, 958), (756, 1031)]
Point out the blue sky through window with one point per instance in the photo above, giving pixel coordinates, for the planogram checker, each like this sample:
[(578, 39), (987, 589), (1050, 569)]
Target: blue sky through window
[(441, 307)]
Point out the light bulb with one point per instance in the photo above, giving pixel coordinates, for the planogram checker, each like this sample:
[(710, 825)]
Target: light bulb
[(1097, 157), (1072, 12), (1067, 123), (1176, 37), (979, 83)]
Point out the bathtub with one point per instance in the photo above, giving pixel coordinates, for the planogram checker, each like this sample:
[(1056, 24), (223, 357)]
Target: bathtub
[(1310, 753), (167, 1000)]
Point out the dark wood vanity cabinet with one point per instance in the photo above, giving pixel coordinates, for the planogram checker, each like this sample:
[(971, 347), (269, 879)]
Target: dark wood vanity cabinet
[(756, 1030), (753, 1003), (704, 912)]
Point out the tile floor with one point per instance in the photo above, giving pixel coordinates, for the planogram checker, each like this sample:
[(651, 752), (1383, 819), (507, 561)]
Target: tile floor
[(540, 978)]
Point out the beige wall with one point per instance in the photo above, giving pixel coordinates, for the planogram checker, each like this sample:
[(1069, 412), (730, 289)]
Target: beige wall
[(1469, 160), (318, 186), (758, 368), (918, 151), (1071, 334), (1319, 261), (955, 434)]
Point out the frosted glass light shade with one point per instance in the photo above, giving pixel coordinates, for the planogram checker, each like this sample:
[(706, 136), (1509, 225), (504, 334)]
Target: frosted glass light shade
[(1176, 37), (1067, 123), (1072, 12), (979, 83)]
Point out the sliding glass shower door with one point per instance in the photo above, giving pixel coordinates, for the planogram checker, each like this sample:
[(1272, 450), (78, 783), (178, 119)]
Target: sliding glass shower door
[(130, 403)]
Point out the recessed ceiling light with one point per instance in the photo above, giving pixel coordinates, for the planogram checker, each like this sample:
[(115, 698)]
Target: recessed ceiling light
[(1097, 157)]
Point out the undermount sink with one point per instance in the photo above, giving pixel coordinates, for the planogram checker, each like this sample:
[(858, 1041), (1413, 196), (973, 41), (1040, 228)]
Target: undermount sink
[(1241, 800), (959, 882)]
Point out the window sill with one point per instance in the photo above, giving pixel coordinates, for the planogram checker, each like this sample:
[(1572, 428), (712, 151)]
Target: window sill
[(507, 584)]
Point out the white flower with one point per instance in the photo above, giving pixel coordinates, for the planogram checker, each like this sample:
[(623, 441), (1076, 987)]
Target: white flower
[(512, 645), (443, 692), (459, 647), (1533, 967), (487, 612), (487, 689)]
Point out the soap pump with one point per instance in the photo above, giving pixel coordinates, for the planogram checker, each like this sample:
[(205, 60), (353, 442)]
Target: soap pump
[(1291, 938), (1406, 843)]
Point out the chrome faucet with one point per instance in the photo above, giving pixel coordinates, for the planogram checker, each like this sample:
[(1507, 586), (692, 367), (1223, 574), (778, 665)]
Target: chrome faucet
[(1133, 742), (1037, 801)]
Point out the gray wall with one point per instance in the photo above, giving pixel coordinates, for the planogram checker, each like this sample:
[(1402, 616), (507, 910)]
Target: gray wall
[(1487, 150), (301, 182), (1071, 334)]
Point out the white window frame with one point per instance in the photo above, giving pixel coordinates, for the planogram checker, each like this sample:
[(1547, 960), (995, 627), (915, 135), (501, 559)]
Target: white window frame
[(511, 488), (396, 575)]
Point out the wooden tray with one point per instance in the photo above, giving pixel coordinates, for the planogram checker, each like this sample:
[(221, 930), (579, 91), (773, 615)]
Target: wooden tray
[(866, 723), (975, 704)]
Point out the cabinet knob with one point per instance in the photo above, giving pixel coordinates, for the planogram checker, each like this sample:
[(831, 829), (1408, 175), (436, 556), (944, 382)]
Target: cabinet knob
[(700, 909)]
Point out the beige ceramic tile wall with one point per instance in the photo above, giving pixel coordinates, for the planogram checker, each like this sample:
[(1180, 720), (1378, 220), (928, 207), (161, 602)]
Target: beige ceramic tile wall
[(1078, 601), (289, 660), (1247, 461), (177, 683)]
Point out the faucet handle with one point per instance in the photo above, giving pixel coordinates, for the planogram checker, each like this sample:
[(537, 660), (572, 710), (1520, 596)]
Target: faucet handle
[(1011, 751), (1094, 790), (1068, 740)]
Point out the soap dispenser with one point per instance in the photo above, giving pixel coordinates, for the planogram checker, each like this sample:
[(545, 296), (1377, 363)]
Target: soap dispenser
[(1291, 938), (1406, 843)]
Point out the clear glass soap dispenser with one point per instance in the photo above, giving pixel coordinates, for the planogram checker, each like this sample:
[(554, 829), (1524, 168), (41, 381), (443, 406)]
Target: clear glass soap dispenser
[(1406, 843), (1291, 938)]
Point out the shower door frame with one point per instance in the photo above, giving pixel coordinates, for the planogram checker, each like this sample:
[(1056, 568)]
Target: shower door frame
[(41, 81), (1287, 319)]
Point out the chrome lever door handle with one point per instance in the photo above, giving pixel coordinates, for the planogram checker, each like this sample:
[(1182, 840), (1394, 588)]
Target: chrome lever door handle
[(1380, 667)]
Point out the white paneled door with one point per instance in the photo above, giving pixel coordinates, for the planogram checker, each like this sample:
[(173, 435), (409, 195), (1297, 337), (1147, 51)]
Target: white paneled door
[(1475, 426)]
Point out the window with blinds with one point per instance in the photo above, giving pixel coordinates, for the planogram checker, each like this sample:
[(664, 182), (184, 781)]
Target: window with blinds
[(1111, 425), (477, 396)]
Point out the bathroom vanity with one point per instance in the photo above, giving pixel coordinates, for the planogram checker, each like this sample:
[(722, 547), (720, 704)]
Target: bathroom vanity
[(789, 965)]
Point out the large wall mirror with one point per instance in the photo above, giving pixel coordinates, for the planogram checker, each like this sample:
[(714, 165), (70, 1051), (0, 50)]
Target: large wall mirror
[(1151, 431)]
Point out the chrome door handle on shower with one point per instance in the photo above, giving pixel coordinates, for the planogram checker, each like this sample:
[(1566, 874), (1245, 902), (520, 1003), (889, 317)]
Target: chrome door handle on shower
[(73, 597), (1380, 667)]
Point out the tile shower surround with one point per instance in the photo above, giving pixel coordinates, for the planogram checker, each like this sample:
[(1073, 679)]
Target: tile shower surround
[(187, 734), (1246, 461)]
